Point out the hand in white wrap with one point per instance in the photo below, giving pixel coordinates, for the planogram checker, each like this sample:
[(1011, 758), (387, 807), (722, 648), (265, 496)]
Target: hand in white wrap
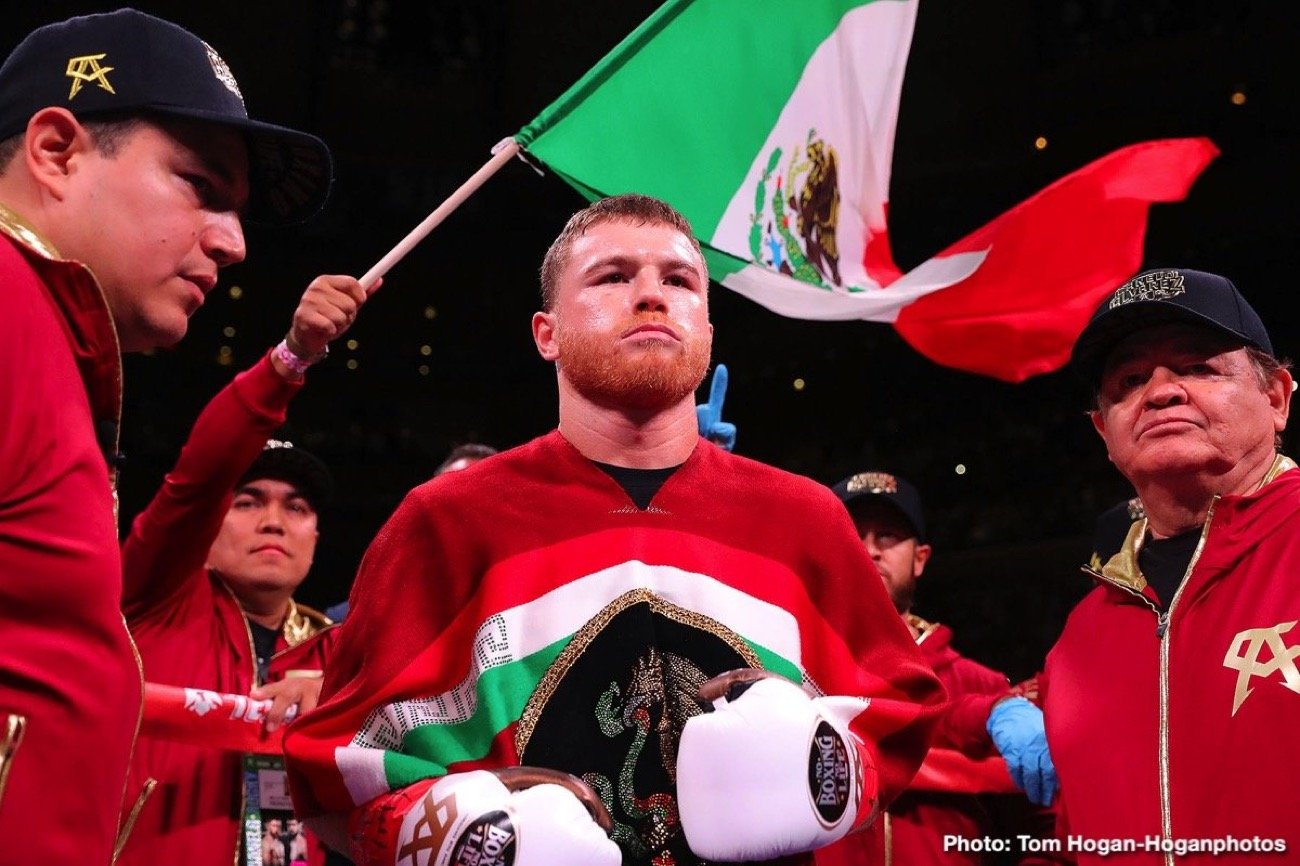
[(770, 772), (476, 818)]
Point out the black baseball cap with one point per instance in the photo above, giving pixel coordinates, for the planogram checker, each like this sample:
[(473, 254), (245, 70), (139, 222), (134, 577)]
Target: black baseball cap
[(1156, 297), (128, 63), (885, 487), (283, 461)]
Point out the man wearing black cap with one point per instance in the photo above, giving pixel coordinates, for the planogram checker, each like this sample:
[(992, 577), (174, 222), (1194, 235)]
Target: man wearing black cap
[(985, 717), (126, 160), (210, 568), (1178, 674)]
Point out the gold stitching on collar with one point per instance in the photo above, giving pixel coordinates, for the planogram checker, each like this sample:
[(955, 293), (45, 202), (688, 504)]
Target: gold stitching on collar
[(14, 226), (301, 623)]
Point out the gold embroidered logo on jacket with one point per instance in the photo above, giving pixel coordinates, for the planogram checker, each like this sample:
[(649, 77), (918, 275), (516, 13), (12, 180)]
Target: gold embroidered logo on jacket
[(1243, 657)]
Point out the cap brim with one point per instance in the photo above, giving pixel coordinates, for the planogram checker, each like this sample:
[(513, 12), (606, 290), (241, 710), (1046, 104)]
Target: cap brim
[(1102, 335), (290, 172), (295, 466), (884, 498)]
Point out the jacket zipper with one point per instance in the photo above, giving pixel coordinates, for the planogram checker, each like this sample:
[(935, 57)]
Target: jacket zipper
[(127, 823), (10, 739), (1162, 634)]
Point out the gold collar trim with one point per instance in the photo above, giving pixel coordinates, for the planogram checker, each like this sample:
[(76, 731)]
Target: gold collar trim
[(1281, 463), (302, 622), (921, 628), (1122, 568), (14, 226)]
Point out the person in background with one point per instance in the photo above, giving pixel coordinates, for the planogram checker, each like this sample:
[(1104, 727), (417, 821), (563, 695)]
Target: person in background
[(460, 457), (211, 567), (463, 457), (985, 715)]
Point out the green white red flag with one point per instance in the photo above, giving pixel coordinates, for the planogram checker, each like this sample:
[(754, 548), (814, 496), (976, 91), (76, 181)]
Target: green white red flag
[(771, 127)]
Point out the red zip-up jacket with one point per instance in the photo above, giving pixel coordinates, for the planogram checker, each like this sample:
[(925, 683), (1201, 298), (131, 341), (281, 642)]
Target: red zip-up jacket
[(69, 680), (190, 629), (1183, 726)]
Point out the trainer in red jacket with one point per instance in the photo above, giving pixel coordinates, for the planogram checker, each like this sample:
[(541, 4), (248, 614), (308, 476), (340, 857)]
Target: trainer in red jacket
[(123, 182), (211, 566), (66, 667), (888, 515), (1173, 696)]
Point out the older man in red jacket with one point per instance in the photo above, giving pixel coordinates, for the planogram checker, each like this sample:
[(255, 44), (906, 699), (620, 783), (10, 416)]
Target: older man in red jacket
[(1172, 696)]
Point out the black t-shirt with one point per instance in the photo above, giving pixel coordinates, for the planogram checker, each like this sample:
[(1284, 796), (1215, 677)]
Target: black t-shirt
[(264, 645), (1164, 562), (640, 484)]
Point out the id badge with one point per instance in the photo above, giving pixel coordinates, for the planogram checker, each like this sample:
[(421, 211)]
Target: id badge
[(272, 835)]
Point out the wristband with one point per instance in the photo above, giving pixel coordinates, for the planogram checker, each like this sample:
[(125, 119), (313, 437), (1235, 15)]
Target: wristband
[(296, 363)]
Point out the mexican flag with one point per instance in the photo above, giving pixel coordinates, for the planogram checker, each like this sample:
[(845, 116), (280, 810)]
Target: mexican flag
[(771, 127)]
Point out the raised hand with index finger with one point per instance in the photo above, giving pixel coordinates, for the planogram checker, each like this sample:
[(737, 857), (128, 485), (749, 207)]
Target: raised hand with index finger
[(709, 415)]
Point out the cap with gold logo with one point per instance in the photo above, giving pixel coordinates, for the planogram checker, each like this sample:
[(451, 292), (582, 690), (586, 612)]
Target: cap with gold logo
[(281, 460), (127, 63), (883, 486), (1157, 297)]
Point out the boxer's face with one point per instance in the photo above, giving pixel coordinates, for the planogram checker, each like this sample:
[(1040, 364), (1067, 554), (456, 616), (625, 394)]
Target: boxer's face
[(630, 324)]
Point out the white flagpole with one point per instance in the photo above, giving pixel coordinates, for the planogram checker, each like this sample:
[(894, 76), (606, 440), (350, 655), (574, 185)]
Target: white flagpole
[(502, 154)]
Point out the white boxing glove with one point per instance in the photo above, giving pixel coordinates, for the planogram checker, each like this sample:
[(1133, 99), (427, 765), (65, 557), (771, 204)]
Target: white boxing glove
[(474, 819), (770, 772)]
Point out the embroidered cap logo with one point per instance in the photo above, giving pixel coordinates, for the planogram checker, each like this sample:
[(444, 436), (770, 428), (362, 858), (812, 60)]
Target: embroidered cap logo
[(876, 482), (1155, 286), (222, 71), (86, 69)]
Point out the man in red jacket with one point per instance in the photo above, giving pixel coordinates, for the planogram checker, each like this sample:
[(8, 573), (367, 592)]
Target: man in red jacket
[(127, 158), (1173, 696), (887, 513), (210, 569)]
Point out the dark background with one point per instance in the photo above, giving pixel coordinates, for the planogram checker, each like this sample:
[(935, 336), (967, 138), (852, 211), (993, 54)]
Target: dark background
[(411, 96)]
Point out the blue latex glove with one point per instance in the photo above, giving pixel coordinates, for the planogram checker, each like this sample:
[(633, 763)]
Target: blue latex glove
[(709, 415), (1016, 727)]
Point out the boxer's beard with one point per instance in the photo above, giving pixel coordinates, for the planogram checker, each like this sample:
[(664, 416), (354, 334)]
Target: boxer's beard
[(651, 378)]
